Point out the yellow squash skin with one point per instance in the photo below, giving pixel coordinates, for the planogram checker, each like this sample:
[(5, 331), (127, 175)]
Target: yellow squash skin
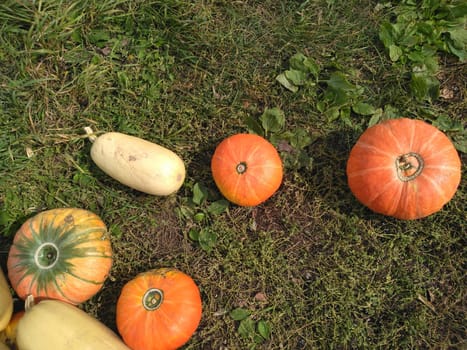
[(139, 164), (6, 302), (56, 325)]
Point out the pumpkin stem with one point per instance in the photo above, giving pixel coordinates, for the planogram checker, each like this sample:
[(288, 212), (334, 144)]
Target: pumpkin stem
[(28, 302), (241, 167), (46, 256), (152, 299), (409, 166), (91, 136)]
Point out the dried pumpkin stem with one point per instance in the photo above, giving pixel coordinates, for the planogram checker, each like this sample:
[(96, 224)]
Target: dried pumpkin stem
[(409, 166), (46, 256), (152, 299), (241, 168), (29, 302), (91, 136)]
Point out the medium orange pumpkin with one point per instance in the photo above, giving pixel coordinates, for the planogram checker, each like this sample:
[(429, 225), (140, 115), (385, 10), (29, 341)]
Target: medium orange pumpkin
[(247, 169), (404, 168), (158, 310), (62, 253)]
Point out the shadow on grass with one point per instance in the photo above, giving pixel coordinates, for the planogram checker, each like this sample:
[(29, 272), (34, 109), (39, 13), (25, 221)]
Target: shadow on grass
[(328, 178)]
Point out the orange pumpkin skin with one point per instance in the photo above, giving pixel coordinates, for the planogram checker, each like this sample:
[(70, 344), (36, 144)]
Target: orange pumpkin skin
[(247, 169), (62, 254), (404, 168), (158, 310)]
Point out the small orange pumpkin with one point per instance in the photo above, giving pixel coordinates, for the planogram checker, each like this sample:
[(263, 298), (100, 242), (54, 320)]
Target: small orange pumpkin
[(62, 253), (247, 169), (158, 310), (404, 168)]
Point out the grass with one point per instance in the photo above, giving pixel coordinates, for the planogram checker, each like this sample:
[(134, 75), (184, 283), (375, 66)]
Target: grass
[(321, 270)]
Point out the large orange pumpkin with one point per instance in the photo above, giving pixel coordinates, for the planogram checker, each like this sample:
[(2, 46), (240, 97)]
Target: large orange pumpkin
[(62, 253), (404, 168), (247, 169), (158, 310)]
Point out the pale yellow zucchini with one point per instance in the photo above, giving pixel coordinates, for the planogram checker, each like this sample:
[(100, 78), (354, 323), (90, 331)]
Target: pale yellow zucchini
[(6, 302), (54, 324), (138, 163)]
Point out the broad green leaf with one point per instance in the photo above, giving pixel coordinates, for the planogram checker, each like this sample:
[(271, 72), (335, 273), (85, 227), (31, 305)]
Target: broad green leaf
[(461, 54), (336, 98), (458, 42), (193, 234), (344, 115), (207, 239), (390, 112), (445, 123), (253, 126), (304, 64), (363, 108), (239, 314), (431, 64), (282, 79), (376, 117), (332, 113), (200, 193), (297, 62), (312, 67), (425, 87), (218, 207), (386, 34), (264, 329), (458, 36), (297, 77), (338, 81), (187, 211), (395, 52), (460, 142), (399, 29), (411, 38), (198, 217), (321, 106), (5, 218), (246, 328), (300, 138), (427, 29), (457, 11), (416, 56), (272, 119)]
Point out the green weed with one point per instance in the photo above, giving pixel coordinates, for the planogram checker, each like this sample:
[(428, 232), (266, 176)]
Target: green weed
[(420, 30)]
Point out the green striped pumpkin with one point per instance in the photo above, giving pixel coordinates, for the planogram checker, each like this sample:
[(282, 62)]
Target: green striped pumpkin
[(62, 254)]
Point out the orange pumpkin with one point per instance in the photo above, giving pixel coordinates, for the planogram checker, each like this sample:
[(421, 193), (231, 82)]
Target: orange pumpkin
[(158, 310), (404, 168), (247, 169), (62, 253)]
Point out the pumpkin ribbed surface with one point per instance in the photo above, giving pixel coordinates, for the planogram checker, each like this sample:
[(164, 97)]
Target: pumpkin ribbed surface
[(62, 253), (247, 169), (404, 168), (158, 310)]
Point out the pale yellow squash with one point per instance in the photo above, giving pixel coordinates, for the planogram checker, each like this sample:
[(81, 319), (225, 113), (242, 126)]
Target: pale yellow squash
[(138, 163), (56, 325), (8, 335), (6, 302)]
